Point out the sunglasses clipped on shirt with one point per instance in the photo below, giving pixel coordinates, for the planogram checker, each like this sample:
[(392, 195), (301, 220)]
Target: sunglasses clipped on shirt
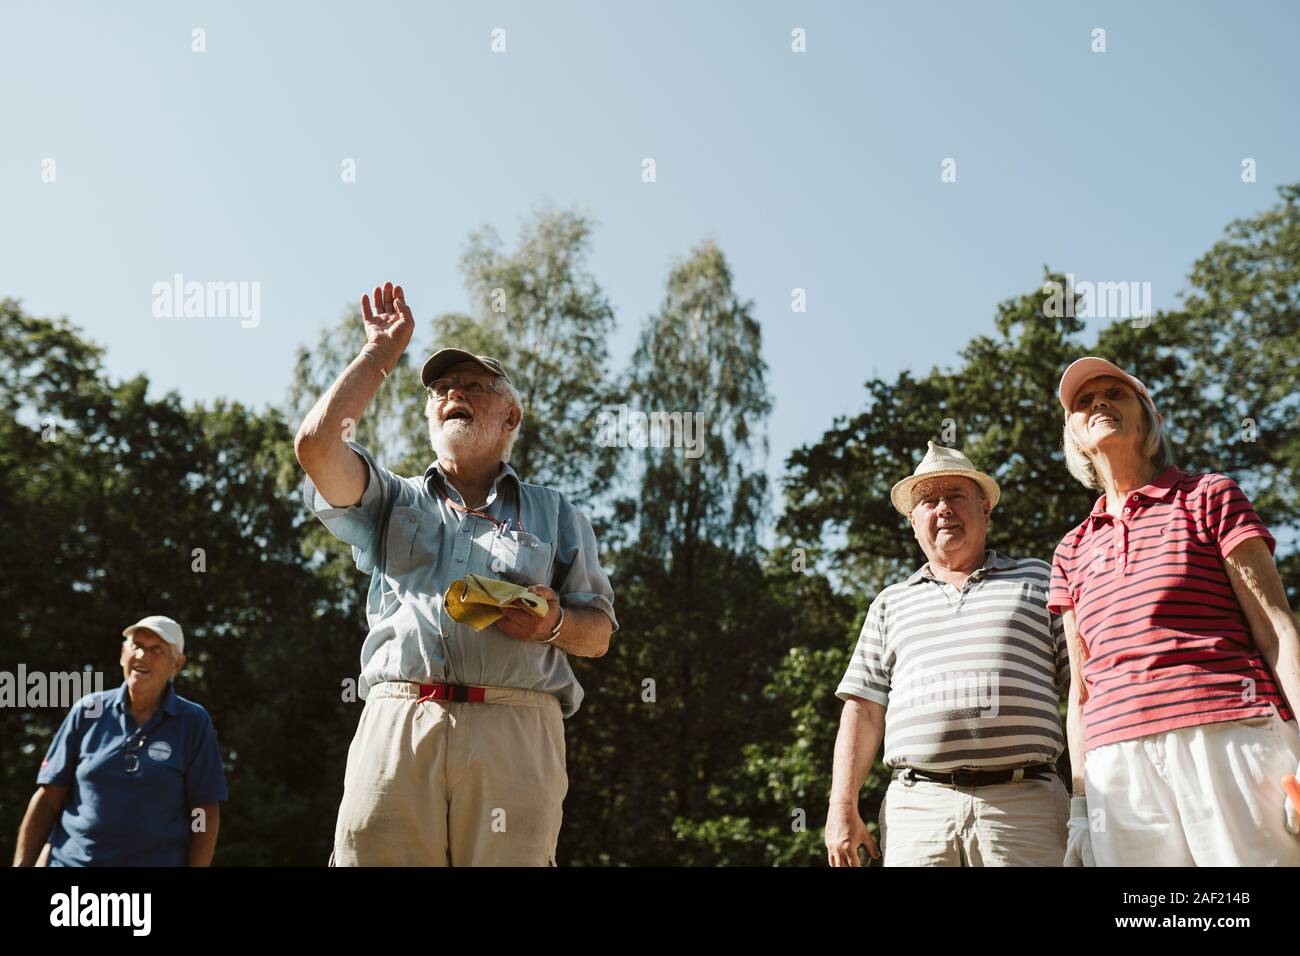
[(133, 747)]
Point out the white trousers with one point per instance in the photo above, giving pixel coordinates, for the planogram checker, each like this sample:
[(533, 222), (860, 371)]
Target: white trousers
[(1209, 795)]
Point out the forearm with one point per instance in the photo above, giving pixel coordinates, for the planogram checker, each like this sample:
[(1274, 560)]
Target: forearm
[(203, 843), (585, 632), (1258, 586), (35, 829), (1074, 739), (1280, 650), (856, 745), (345, 401)]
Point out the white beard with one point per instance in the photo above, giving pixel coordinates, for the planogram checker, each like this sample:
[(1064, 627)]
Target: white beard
[(456, 439)]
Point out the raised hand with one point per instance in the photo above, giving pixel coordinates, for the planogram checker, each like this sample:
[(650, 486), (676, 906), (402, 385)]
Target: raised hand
[(389, 325)]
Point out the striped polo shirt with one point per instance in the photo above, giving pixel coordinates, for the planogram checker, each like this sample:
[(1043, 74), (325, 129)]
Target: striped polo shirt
[(1165, 643), (968, 677)]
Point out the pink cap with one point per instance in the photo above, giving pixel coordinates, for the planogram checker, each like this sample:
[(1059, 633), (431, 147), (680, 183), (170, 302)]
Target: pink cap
[(1084, 369)]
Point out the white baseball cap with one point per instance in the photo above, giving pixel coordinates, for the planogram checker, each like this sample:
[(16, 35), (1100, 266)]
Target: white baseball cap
[(164, 627)]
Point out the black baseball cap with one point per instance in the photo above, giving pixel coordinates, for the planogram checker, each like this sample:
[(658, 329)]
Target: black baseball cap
[(444, 359)]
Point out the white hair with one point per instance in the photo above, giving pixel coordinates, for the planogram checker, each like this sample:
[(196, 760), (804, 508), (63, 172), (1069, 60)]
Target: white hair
[(503, 387), (1157, 448)]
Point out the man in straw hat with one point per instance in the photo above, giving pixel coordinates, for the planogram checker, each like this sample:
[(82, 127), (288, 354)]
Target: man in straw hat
[(958, 669)]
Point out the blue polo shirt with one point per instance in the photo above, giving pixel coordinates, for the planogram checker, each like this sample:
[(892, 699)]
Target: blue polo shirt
[(115, 818)]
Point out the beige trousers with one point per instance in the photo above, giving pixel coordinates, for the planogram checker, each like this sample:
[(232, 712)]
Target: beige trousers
[(1209, 795), (924, 823), (442, 783)]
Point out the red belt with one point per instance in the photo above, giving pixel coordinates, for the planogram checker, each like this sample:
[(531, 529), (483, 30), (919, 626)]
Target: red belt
[(452, 692)]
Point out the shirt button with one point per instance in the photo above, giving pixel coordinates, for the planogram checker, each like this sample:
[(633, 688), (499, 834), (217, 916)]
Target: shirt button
[(460, 560), (1127, 510)]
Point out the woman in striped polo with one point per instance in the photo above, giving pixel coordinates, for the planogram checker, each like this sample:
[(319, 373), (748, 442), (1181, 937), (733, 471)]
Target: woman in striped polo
[(1184, 651)]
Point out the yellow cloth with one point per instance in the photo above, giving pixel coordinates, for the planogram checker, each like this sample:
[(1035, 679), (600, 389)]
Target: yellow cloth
[(477, 601)]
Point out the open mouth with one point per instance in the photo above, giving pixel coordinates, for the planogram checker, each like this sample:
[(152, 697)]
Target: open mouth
[(458, 415), (1101, 419), (138, 669)]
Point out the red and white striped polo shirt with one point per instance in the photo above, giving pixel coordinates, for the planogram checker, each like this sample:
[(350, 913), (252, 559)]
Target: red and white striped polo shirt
[(1166, 645)]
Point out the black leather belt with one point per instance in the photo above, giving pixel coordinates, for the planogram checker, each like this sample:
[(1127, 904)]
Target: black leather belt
[(978, 778)]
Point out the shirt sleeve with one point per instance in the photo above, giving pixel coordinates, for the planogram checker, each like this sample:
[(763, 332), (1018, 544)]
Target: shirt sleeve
[(59, 767), (354, 525), (867, 675), (577, 576), (1059, 598), (205, 778), (1230, 518)]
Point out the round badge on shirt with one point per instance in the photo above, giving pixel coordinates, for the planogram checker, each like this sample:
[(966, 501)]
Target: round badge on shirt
[(160, 750)]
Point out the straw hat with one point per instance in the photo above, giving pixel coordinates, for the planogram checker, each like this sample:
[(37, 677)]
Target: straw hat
[(939, 461)]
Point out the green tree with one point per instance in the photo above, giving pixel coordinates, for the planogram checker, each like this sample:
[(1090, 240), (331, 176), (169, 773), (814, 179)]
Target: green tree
[(127, 505), (689, 587), (541, 311)]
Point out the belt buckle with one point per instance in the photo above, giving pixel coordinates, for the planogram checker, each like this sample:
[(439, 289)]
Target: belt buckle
[(436, 692)]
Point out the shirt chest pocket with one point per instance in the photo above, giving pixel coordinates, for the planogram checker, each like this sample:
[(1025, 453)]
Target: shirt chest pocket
[(404, 551), (521, 558)]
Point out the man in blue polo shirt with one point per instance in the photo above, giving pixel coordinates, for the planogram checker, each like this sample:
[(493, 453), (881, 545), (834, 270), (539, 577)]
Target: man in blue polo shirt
[(134, 776)]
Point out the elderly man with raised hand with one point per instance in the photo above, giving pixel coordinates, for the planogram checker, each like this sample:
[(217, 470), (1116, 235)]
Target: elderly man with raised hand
[(1186, 656), (959, 669), (133, 777), (458, 758)]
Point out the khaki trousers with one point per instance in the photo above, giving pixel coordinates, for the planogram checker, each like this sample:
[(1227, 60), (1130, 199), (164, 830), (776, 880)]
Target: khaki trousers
[(924, 823), (444, 783)]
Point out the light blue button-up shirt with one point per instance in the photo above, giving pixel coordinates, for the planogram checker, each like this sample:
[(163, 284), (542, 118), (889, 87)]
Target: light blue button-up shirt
[(536, 536)]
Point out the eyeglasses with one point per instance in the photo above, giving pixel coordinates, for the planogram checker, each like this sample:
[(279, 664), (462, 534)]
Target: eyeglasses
[(158, 650), (1112, 393), (132, 749), (471, 386)]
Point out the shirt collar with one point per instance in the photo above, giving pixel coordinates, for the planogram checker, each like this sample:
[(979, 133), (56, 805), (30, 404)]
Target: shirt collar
[(435, 472), (169, 704), (992, 562), (1159, 487)]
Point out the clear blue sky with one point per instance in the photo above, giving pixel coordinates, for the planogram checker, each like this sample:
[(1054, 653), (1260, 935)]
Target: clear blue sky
[(817, 170)]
